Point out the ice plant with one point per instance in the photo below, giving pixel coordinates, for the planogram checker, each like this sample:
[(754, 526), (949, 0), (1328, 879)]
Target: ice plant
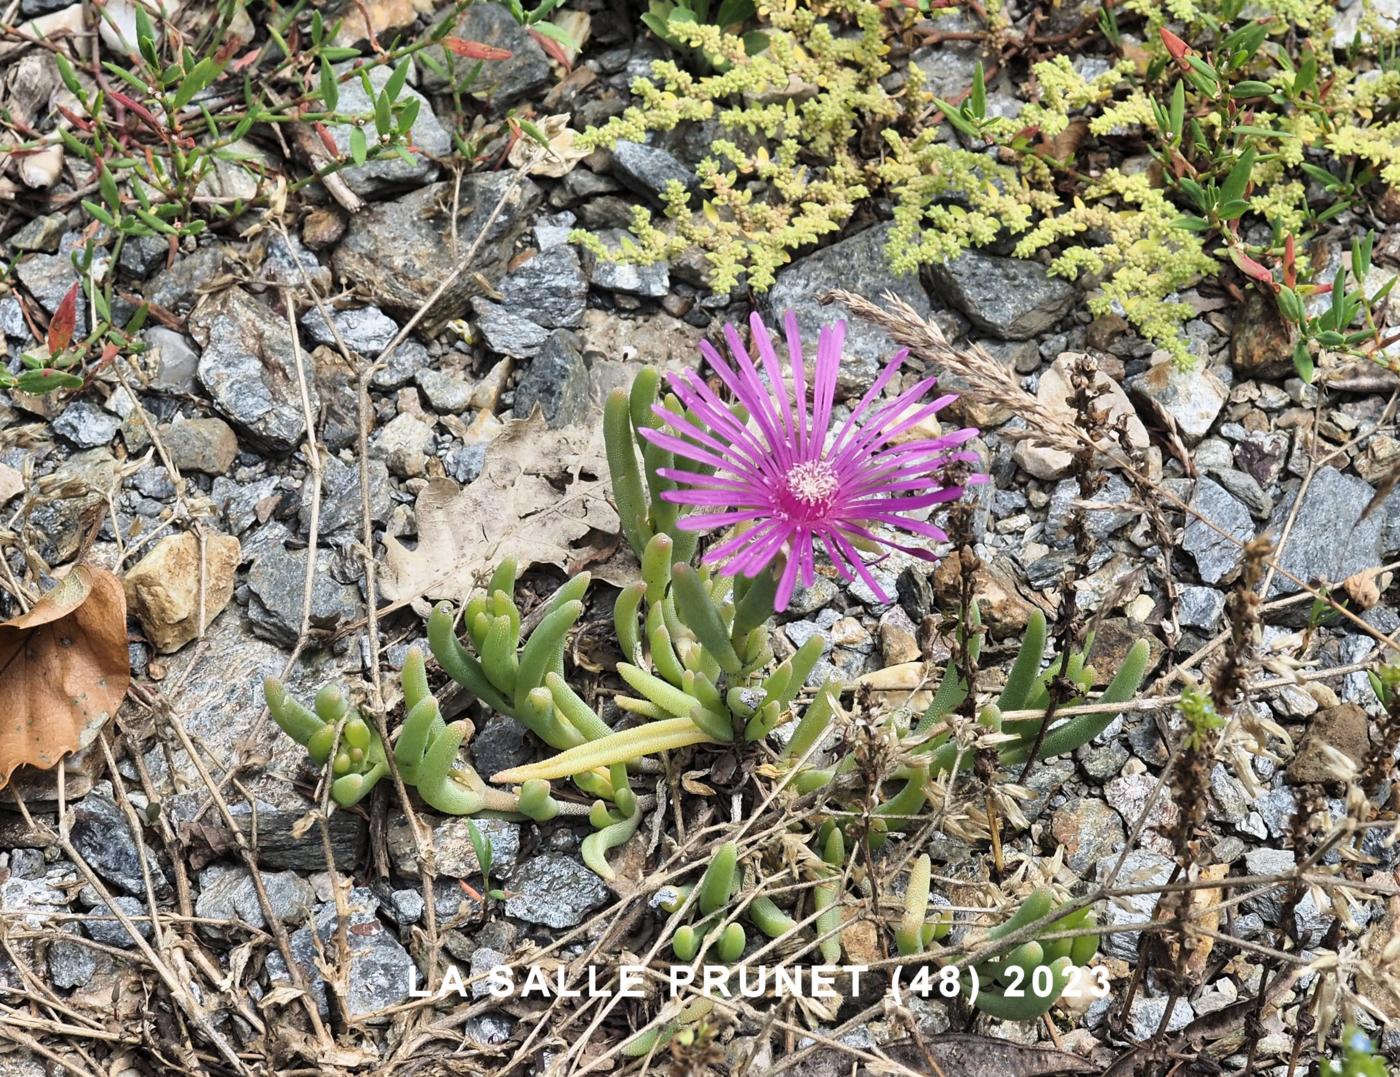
[(791, 478)]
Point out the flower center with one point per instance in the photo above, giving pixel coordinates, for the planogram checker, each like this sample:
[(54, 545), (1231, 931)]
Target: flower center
[(812, 482)]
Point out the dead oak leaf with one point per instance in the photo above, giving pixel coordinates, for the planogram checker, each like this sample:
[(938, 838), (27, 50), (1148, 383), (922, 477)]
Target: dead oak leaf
[(539, 493), (64, 669)]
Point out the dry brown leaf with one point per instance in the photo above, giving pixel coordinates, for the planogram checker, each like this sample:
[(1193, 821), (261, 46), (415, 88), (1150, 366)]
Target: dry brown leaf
[(540, 492), (11, 483), (64, 668)]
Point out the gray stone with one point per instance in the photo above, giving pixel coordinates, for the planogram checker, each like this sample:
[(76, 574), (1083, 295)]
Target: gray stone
[(403, 444), (102, 837), (498, 83), (86, 425), (1329, 540), (153, 482), (557, 381), (1007, 297), (452, 842), (207, 446), (341, 498), (1215, 555), (174, 360), (276, 582), (380, 972), (500, 744), (249, 367), (12, 323), (1199, 607), (1100, 523), (403, 364), (229, 894), (1246, 489), (1358, 18), (484, 959), (71, 964), (105, 928), (1102, 761), (1192, 397), (407, 906), (649, 171), (555, 891), (400, 250), (447, 391), (1141, 868), (177, 289), (648, 281), (366, 330), (430, 139), (463, 463), (240, 501), (1309, 921), (48, 277), (292, 264), (799, 632), (1145, 1017), (1087, 830), (550, 289), (858, 264), (948, 68), (1232, 799), (43, 233), (507, 333)]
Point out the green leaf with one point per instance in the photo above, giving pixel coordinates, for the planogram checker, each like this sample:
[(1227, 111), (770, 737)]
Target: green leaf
[(145, 35), (978, 98), (1251, 88), (394, 86), (107, 186), (383, 117), (1302, 361), (330, 90), (1230, 211), (205, 72), (1232, 190), (335, 54), (38, 382), (549, 30), (359, 146), (1177, 113), (1291, 304), (1191, 224), (94, 210), (69, 76)]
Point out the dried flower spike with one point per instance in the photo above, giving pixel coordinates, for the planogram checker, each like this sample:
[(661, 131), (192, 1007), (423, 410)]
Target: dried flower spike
[(792, 480)]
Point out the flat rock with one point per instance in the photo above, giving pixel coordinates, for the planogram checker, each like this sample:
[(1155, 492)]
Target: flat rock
[(651, 281), (400, 250), (858, 264), (1329, 540), (498, 83), (380, 972), (448, 391), (173, 359), (555, 891), (556, 381), (508, 333), (102, 837), (1343, 728), (276, 582), (86, 425), (1215, 555), (1193, 398), (366, 330), (1141, 868), (550, 289), (649, 170), (456, 856), (1008, 297), (1054, 392), (163, 588), (1087, 830), (1199, 607), (229, 894), (341, 499), (403, 443), (249, 368), (1261, 342), (207, 446)]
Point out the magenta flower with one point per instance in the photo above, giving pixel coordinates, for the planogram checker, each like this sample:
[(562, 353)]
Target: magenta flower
[(793, 480)]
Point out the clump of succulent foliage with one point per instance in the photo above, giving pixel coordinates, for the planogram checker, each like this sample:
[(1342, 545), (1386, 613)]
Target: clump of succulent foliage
[(1257, 135), (698, 666)]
